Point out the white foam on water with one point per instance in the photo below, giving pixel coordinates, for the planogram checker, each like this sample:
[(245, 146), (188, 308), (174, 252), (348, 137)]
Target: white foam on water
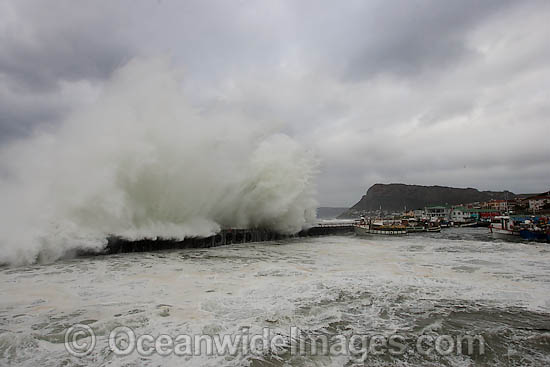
[(364, 285)]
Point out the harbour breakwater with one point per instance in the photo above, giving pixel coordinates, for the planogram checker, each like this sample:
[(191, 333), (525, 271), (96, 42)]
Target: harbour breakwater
[(117, 245)]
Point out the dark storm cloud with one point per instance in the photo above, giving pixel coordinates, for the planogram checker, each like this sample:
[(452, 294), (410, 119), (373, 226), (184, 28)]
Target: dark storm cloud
[(55, 41), (46, 46), (430, 92), (412, 37)]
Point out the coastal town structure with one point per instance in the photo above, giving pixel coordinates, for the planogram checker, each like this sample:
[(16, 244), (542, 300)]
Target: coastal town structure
[(447, 204), (485, 211), (440, 211), (538, 202), (474, 212)]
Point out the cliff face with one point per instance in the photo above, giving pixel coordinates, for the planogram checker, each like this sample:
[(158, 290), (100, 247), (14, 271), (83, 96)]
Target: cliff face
[(394, 197)]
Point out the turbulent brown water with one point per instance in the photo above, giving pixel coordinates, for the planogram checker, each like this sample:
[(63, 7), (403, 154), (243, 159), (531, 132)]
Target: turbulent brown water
[(453, 283)]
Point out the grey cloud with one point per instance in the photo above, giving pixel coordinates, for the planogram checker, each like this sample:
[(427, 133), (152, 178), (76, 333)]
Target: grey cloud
[(59, 41), (414, 37), (16, 123), (44, 45), (427, 92)]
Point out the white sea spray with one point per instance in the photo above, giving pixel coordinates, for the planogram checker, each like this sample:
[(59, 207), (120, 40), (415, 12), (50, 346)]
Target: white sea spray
[(143, 162)]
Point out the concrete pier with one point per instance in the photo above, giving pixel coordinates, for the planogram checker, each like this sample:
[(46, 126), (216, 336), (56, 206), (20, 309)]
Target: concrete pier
[(225, 237)]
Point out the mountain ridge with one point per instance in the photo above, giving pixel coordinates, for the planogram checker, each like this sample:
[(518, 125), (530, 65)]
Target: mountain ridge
[(398, 196)]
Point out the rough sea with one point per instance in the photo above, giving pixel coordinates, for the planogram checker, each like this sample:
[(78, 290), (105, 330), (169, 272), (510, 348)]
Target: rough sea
[(436, 288)]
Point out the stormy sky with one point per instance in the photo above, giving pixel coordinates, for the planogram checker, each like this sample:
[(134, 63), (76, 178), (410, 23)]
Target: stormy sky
[(453, 93)]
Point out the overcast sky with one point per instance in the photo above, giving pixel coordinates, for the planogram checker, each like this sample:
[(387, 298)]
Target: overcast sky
[(452, 93)]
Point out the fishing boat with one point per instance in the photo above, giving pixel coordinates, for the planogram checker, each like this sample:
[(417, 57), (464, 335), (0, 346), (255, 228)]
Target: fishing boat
[(535, 234), (504, 229), (444, 224), (535, 229), (433, 226), (379, 227), (433, 229), (413, 229), (412, 225)]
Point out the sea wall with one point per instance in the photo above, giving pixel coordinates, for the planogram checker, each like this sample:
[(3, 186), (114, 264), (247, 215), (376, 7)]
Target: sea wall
[(225, 237)]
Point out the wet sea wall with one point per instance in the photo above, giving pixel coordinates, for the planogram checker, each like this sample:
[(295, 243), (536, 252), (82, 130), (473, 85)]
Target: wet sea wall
[(117, 245)]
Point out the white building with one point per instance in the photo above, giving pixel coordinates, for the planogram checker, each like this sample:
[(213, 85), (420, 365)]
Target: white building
[(440, 212), (460, 215), (537, 202)]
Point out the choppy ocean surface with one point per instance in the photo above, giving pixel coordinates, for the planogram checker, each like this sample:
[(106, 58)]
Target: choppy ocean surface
[(452, 283)]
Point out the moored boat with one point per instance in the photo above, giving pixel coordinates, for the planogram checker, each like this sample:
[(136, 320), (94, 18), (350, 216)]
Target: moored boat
[(378, 227), (504, 229), (444, 224), (533, 234), (413, 229), (535, 229), (434, 229), (383, 230), (433, 226)]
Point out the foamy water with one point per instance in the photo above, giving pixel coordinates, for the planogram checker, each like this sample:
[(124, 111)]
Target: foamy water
[(459, 281)]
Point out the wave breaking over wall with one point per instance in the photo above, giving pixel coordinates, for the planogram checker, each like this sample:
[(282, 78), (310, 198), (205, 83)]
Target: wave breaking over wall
[(142, 162)]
